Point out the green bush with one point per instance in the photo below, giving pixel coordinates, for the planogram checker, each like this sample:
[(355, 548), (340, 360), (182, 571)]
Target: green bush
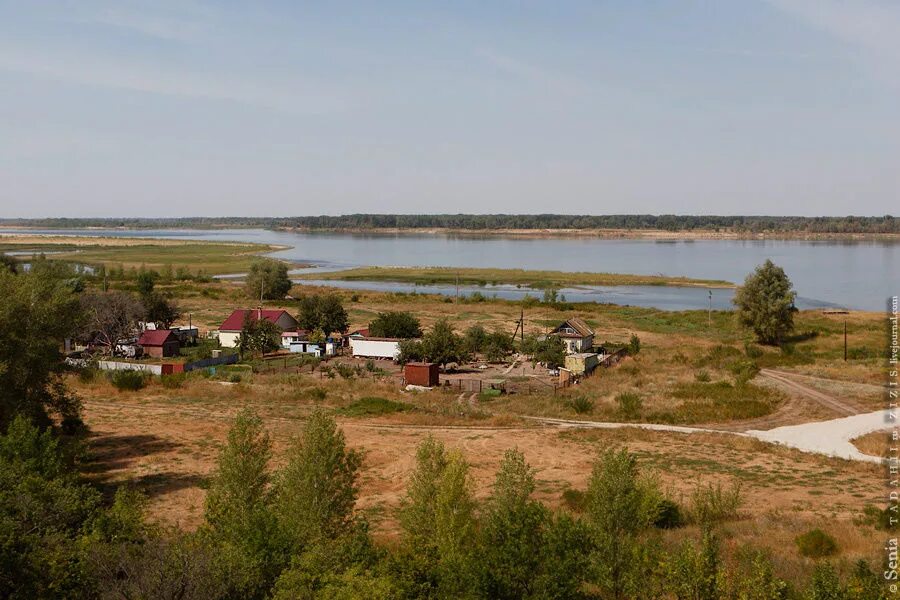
[(669, 515), (879, 518), (373, 406), (581, 404), (630, 404), (87, 375), (174, 380), (128, 380), (634, 345), (234, 378), (702, 376), (318, 393), (815, 543)]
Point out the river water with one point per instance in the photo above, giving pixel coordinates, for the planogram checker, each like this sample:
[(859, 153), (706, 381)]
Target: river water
[(852, 274)]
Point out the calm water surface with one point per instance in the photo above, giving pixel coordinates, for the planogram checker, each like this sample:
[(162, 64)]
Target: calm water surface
[(855, 274)]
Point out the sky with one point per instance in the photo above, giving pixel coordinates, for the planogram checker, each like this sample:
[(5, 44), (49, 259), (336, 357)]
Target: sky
[(170, 108)]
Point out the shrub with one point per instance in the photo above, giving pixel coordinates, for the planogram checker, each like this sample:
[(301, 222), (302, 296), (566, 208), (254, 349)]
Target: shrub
[(634, 345), (713, 503), (743, 371), (345, 371), (581, 404), (128, 380), (879, 518), (373, 406), (87, 375), (752, 350), (318, 393), (815, 543), (630, 404), (575, 500), (235, 378), (172, 381), (702, 376), (668, 515)]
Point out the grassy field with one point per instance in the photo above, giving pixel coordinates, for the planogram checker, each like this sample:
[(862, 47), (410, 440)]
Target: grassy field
[(525, 278), (212, 258), (164, 439)]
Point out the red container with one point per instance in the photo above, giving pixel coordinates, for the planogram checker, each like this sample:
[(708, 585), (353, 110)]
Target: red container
[(423, 374)]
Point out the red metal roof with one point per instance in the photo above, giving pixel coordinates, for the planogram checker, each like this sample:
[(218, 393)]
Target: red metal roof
[(235, 322), (158, 337)]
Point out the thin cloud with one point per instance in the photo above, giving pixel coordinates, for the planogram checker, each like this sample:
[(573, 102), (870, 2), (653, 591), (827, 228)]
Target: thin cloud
[(869, 25), (101, 71), (529, 72)]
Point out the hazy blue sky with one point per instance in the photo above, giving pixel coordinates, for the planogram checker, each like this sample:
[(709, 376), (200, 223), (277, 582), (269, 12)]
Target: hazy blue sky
[(182, 107)]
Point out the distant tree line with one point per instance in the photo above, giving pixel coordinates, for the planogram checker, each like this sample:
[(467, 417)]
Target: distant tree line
[(740, 224)]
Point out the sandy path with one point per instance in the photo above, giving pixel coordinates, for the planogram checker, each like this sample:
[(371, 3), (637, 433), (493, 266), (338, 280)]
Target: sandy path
[(831, 438), (815, 395)]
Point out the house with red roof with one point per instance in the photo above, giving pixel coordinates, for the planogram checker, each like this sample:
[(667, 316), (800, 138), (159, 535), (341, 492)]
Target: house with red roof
[(230, 330), (159, 343)]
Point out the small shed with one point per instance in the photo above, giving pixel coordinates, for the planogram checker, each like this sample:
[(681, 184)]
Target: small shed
[(159, 343), (582, 363), (421, 373)]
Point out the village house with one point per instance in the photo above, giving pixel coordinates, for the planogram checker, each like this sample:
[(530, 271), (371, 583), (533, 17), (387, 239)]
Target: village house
[(230, 330), (576, 335), (159, 343), (293, 337)]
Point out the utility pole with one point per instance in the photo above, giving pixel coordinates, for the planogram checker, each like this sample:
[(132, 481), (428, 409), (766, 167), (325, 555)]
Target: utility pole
[(709, 312)]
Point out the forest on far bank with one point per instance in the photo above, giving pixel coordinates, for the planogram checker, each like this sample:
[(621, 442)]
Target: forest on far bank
[(737, 224)]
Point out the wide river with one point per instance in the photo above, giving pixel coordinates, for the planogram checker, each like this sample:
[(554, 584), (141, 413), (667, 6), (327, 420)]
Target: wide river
[(852, 274)]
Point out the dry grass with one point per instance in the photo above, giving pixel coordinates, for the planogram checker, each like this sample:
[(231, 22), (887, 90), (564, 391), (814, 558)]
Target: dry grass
[(877, 443)]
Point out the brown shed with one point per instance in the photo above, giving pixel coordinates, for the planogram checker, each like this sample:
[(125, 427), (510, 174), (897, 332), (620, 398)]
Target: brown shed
[(159, 343), (424, 374)]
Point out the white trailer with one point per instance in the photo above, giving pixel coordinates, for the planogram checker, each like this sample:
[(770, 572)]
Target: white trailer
[(375, 347)]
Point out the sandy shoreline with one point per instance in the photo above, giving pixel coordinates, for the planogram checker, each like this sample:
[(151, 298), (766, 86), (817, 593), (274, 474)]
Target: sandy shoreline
[(649, 234)]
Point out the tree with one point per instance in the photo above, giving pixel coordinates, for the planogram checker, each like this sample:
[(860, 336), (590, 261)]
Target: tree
[(621, 504), (8, 263), (825, 584), (325, 312), (475, 339), (37, 313), (761, 583), (454, 530), (315, 493), (43, 510), (395, 324), (268, 279), (109, 317), (695, 574), (441, 345), (410, 351), (498, 346), (237, 506), (146, 282), (765, 303), (160, 310), (550, 350), (513, 544), (258, 336)]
